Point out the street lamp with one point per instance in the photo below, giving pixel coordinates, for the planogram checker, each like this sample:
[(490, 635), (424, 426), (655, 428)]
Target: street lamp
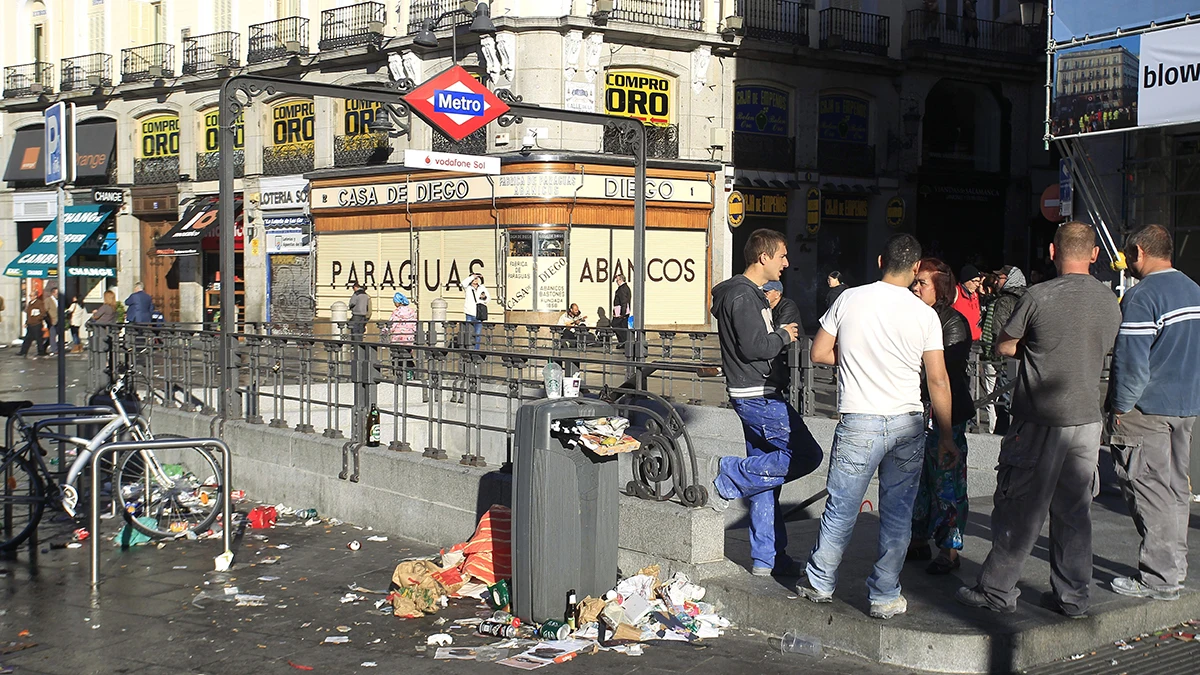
[(481, 24), (1032, 12)]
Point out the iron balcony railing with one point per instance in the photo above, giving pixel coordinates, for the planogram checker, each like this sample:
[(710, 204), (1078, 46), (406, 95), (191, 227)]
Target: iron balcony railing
[(208, 165), (852, 31), (29, 79), (936, 31), (841, 158), (206, 53), (351, 26), (661, 142), (277, 39), (156, 171), (148, 62), (86, 72), (775, 20), (420, 10), (682, 14), (763, 151), (288, 159), (473, 144), (372, 148)]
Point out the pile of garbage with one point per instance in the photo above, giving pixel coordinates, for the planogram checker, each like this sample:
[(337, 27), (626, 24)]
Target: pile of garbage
[(604, 436)]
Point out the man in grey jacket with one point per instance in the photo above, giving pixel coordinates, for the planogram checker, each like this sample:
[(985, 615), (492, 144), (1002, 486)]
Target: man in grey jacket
[(360, 311), (779, 447)]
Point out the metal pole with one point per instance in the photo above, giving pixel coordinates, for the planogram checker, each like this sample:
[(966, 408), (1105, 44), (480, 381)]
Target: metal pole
[(228, 403), (639, 247), (60, 235)]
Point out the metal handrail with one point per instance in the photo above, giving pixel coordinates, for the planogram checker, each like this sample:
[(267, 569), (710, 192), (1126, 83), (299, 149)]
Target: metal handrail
[(159, 444)]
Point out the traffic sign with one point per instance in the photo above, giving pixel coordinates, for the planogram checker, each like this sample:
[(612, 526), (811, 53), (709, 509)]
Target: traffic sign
[(60, 147), (737, 208), (455, 103), (1065, 192)]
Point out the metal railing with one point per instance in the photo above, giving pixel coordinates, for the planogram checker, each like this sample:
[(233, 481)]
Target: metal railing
[(474, 144), (420, 10), (277, 39), (29, 79), (842, 158), (148, 62), (86, 72), (763, 151), (288, 159), (207, 53), (978, 37), (775, 20), (682, 14), (352, 26), (156, 171), (662, 142), (852, 31), (208, 165), (371, 148)]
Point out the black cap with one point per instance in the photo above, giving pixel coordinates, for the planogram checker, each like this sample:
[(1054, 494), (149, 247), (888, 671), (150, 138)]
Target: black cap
[(968, 272)]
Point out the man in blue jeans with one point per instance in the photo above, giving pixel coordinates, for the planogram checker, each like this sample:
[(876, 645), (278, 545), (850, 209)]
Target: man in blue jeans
[(779, 447), (879, 336)]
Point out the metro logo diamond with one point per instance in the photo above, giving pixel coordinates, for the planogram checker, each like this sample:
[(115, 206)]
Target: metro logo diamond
[(455, 103)]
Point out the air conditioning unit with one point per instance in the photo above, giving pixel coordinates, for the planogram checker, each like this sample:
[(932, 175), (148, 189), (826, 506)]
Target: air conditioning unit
[(291, 46), (36, 88), (375, 26), (94, 81), (155, 71), (221, 60)]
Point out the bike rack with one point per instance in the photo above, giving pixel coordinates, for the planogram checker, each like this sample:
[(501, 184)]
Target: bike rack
[(160, 444)]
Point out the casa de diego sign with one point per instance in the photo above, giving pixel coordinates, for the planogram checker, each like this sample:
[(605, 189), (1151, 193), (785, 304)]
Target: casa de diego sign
[(455, 103)]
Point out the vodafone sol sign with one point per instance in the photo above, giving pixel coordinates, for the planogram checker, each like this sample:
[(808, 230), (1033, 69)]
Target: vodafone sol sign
[(455, 103), (445, 161)]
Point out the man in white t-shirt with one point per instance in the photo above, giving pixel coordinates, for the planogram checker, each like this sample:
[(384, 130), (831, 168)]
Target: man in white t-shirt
[(879, 336)]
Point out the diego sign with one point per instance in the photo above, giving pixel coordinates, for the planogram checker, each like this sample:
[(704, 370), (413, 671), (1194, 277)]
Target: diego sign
[(639, 94)]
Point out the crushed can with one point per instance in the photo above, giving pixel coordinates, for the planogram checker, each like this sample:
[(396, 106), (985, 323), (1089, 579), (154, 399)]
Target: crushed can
[(498, 595), (497, 629), (306, 514), (554, 629)]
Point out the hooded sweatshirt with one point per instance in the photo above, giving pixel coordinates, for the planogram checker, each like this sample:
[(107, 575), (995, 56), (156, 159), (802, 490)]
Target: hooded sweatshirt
[(749, 339), (1000, 311)]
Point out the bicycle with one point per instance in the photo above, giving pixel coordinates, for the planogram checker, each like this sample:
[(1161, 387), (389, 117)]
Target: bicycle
[(159, 494)]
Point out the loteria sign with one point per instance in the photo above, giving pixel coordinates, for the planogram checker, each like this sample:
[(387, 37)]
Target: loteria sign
[(455, 103)]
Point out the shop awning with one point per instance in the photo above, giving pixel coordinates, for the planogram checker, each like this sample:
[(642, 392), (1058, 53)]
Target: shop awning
[(41, 258), (25, 162), (199, 221), (95, 148)]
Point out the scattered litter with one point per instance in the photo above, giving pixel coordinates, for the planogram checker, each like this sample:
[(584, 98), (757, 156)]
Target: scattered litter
[(232, 590), (13, 647), (604, 435), (1077, 657), (455, 654), (354, 545), (312, 521), (262, 517), (343, 629), (439, 639), (376, 537), (268, 578), (179, 567), (352, 597), (247, 600), (282, 547), (269, 560), (298, 666), (368, 664), (223, 561), (5, 670), (336, 640), (1121, 645), (74, 544)]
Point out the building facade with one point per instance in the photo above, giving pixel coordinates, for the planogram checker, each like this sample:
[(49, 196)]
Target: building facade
[(835, 123)]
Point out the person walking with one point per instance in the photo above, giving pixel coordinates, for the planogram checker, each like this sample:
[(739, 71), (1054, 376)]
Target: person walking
[(783, 310), (77, 317), (1061, 331), (966, 298), (1153, 402), (836, 287), (403, 322), (622, 308), (53, 320), (360, 312), (998, 370), (139, 306), (940, 510), (35, 319), (879, 336), (779, 447)]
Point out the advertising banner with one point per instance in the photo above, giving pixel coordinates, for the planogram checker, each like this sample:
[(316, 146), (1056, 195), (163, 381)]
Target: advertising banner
[(1169, 82), (761, 110), (642, 95)]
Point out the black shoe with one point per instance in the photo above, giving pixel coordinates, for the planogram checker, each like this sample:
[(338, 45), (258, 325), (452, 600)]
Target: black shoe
[(921, 552), (1051, 602)]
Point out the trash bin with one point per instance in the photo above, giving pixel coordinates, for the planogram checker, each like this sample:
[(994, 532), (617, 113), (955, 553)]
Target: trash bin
[(564, 512)]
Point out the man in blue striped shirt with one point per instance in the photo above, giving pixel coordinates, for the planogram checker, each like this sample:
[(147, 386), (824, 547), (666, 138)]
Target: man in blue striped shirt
[(1154, 397)]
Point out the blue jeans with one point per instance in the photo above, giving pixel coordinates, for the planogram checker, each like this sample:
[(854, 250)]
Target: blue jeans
[(895, 444), (478, 329), (779, 449)]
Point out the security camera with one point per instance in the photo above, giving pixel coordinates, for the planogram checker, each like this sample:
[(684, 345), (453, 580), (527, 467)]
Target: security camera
[(529, 140)]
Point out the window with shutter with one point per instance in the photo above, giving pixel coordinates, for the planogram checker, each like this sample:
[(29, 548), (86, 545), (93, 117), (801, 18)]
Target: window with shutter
[(223, 19), (286, 8), (96, 31)]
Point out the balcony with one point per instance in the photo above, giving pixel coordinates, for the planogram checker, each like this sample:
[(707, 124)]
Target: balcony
[(946, 33), (89, 71), (148, 62), (372, 148), (352, 26), (661, 142), (277, 39), (775, 20), (473, 144), (764, 152), (30, 79), (156, 171), (420, 10), (208, 165), (681, 14), (852, 31), (288, 159), (208, 53), (841, 158)]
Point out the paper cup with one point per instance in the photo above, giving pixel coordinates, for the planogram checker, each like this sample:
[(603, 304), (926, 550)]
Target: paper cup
[(570, 386), (223, 561)]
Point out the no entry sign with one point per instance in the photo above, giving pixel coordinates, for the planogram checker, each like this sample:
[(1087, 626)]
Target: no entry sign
[(455, 103)]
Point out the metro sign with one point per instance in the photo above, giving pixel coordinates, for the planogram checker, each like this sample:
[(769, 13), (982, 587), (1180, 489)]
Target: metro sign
[(455, 103)]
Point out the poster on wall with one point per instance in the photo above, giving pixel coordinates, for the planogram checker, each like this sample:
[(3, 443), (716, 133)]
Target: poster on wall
[(843, 118), (640, 94), (158, 137), (761, 110)]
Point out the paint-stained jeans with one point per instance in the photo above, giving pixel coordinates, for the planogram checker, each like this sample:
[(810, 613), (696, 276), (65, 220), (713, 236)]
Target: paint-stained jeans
[(895, 445), (779, 449)]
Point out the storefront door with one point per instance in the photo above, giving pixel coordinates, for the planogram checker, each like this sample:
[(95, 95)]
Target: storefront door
[(160, 274)]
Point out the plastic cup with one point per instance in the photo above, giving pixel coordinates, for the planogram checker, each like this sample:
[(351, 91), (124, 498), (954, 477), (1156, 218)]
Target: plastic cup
[(795, 643)]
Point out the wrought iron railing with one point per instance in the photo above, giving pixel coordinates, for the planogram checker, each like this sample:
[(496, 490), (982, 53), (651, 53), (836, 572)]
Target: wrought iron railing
[(372, 148), (148, 62), (841, 158), (288, 159), (852, 31), (206, 53), (208, 165), (473, 144), (277, 39), (661, 142), (970, 36), (156, 171), (420, 10), (29, 79), (86, 72), (352, 26), (775, 20), (682, 14), (763, 151)]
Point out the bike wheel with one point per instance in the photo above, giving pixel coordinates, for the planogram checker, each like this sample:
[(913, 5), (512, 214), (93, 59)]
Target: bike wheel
[(163, 493), (22, 500)]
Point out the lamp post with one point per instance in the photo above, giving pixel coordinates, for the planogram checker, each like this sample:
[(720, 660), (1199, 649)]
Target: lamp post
[(481, 24)]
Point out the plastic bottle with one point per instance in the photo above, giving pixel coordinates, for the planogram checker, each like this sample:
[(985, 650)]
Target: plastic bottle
[(501, 616), (373, 426), (796, 643)]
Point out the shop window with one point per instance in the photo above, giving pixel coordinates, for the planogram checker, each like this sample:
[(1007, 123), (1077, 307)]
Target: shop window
[(537, 271)]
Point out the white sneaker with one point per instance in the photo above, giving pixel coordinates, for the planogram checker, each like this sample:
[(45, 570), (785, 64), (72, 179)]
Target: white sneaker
[(889, 609)]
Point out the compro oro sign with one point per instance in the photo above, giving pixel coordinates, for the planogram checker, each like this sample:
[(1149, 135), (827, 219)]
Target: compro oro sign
[(640, 94), (210, 131), (293, 124), (158, 136)]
